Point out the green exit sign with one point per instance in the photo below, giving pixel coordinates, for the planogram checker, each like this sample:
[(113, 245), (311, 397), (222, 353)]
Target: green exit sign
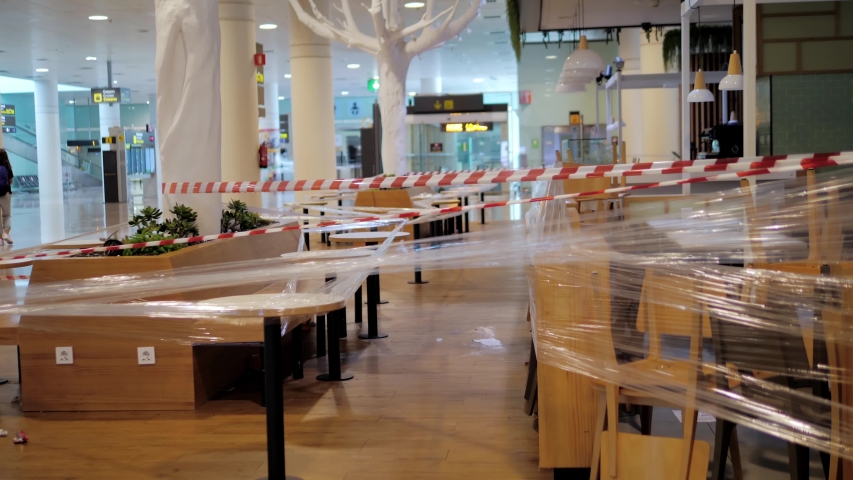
[(373, 85)]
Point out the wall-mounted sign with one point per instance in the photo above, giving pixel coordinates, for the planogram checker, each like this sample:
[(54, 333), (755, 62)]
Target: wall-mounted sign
[(534, 143), (466, 127), (10, 130), (449, 103), (525, 97), (109, 95), (7, 109), (284, 128), (373, 85), (574, 118), (7, 121), (436, 147)]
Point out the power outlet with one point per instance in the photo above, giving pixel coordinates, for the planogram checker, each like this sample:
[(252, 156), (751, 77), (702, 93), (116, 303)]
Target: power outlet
[(145, 355), (64, 356)]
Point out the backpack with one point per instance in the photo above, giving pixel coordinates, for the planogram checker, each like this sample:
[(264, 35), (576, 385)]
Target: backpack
[(4, 181)]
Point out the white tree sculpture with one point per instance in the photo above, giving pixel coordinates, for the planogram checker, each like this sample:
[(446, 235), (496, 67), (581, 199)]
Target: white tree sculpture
[(394, 45)]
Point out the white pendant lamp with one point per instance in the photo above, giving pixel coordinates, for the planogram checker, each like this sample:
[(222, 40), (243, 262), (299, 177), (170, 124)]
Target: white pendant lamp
[(734, 79), (700, 93), (614, 124), (583, 61)]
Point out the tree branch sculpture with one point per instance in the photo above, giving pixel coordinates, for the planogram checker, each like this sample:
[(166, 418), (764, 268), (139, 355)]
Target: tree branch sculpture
[(394, 45)]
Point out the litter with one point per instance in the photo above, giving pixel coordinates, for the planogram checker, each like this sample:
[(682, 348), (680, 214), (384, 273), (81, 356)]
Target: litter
[(21, 438)]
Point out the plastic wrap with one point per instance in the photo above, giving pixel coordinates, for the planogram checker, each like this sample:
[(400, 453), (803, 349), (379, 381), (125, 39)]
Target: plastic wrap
[(736, 303)]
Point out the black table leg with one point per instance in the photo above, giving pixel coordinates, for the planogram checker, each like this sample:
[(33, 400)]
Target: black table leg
[(372, 311), (274, 396), (305, 235), (321, 336), (358, 305), (482, 210), (334, 356), (418, 280), (296, 352), (322, 234), (467, 229), (459, 220), (571, 474), (342, 323)]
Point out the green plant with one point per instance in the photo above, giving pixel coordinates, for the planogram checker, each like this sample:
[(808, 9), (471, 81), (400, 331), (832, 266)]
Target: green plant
[(238, 218), (149, 229), (715, 39), (512, 17)]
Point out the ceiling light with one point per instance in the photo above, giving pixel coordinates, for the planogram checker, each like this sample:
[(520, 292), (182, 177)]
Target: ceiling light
[(412, 94), (281, 98), (268, 26), (91, 59), (376, 78), (42, 70), (700, 93), (98, 17), (550, 57), (344, 93), (353, 66), (148, 102), (479, 80), (71, 102), (286, 75), (614, 124), (115, 82), (414, 4), (583, 60), (734, 79)]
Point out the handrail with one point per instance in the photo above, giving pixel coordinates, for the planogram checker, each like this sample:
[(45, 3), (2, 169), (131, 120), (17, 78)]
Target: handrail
[(66, 156)]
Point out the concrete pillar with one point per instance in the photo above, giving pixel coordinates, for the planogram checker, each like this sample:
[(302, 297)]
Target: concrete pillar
[(239, 90), (110, 116), (632, 100), (660, 106), (312, 101), (750, 69), (429, 85), (51, 212), (188, 103)]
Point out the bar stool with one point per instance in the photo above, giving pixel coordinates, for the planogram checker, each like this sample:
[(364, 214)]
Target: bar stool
[(369, 239), (271, 307)]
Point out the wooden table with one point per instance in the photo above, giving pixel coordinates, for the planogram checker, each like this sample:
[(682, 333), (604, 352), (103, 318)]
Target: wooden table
[(272, 307), (74, 244), (16, 263), (369, 238)]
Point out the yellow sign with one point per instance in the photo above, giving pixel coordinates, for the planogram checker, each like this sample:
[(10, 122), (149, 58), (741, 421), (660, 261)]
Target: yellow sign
[(106, 95), (447, 104), (137, 141), (7, 110), (98, 98), (260, 77), (467, 127), (574, 118)]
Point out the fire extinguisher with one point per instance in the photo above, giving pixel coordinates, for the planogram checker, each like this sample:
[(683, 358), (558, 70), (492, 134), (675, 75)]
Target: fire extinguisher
[(263, 156)]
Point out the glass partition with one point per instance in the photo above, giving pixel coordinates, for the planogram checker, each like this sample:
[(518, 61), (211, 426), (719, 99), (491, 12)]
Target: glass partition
[(432, 148)]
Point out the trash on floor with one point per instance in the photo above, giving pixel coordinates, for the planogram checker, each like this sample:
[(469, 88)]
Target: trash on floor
[(489, 342), (21, 438), (4, 433)]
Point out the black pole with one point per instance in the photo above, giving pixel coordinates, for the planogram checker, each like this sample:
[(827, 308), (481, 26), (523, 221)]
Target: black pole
[(358, 305), (273, 386), (467, 214), (459, 218), (305, 235), (482, 210), (418, 279), (296, 351), (321, 336), (334, 355)]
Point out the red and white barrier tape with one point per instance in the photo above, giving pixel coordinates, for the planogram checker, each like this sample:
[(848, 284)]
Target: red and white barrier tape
[(15, 277), (790, 165), (480, 177)]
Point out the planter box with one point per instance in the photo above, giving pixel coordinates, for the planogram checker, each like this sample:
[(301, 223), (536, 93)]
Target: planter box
[(105, 374)]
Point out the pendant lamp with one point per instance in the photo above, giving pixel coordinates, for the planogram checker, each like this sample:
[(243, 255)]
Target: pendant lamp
[(583, 61), (734, 79), (700, 92), (614, 124)]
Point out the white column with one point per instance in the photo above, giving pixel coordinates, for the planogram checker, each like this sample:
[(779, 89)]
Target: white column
[(188, 102), (110, 116), (685, 90), (632, 100), (312, 101), (660, 106), (239, 89), (51, 214), (750, 69), (429, 85)]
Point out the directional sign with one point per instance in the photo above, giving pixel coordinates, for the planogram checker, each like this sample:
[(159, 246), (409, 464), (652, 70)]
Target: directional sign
[(449, 103), (7, 121), (7, 109), (106, 95)]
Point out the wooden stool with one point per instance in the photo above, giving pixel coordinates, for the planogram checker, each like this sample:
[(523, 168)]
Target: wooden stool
[(271, 307), (369, 239)]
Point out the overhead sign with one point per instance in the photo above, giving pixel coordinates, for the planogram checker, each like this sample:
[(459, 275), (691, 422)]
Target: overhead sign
[(449, 103), (7, 109), (284, 128), (436, 147), (7, 121), (10, 130), (108, 95), (373, 85), (574, 118), (467, 127)]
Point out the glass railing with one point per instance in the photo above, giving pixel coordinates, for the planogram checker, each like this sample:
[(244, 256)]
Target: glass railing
[(594, 151), (442, 162), (26, 136)]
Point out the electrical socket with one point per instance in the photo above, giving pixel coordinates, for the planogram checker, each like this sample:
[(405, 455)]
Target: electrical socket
[(145, 355), (64, 356)]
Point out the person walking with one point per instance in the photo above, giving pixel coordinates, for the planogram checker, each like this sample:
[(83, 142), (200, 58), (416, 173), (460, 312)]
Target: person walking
[(6, 177)]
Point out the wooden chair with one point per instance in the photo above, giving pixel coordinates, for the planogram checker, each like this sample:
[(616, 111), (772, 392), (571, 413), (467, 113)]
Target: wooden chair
[(603, 202), (629, 456)]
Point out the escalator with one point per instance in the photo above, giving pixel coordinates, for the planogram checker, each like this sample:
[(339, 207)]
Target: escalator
[(77, 171)]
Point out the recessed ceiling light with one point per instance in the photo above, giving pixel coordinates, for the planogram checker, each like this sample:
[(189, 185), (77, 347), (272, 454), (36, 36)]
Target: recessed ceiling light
[(268, 26), (42, 70), (344, 93), (98, 17), (286, 75), (353, 66), (148, 102), (91, 59), (479, 80), (412, 94), (115, 82), (550, 57), (414, 4), (71, 102), (281, 98)]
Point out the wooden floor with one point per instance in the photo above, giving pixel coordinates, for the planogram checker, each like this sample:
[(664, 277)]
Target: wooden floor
[(427, 402)]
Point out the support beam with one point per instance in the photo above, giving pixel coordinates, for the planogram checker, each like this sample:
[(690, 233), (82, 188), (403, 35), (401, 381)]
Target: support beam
[(750, 68), (685, 90)]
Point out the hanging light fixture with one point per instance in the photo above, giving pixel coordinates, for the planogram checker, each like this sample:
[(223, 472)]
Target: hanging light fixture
[(734, 79), (614, 124), (583, 63), (700, 92)]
